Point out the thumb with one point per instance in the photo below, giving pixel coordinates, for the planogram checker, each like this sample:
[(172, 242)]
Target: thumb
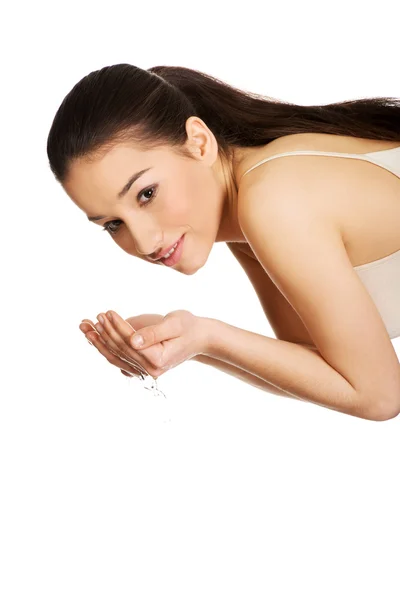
[(154, 334)]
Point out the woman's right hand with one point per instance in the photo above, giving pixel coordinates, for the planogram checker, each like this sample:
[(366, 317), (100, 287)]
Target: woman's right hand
[(136, 323)]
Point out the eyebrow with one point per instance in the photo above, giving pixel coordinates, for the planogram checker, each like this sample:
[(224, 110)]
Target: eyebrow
[(124, 190)]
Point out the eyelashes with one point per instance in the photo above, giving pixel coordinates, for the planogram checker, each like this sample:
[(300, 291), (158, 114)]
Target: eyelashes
[(108, 226)]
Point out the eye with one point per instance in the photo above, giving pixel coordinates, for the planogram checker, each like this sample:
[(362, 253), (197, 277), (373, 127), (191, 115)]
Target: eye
[(108, 226)]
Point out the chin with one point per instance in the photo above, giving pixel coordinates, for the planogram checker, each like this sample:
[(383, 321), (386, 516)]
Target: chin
[(195, 267)]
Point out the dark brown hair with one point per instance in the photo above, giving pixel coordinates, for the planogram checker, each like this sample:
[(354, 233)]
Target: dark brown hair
[(122, 102)]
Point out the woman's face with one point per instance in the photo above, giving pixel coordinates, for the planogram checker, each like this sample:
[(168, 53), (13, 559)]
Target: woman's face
[(174, 196)]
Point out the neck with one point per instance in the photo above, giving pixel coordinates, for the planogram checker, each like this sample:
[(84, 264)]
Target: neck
[(228, 173)]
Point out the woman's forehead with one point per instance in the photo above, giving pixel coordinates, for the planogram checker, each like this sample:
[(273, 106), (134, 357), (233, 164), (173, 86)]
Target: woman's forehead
[(116, 170)]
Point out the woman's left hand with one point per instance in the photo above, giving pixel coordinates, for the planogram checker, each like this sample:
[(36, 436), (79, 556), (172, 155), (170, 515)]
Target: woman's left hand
[(178, 337)]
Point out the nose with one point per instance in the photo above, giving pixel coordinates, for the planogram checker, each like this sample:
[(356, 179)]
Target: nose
[(152, 256), (138, 245)]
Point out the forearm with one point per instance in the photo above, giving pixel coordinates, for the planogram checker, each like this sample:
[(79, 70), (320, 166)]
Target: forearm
[(295, 369), (241, 374)]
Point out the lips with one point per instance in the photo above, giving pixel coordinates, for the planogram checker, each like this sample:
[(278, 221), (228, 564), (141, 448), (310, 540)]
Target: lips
[(164, 252), (176, 254)]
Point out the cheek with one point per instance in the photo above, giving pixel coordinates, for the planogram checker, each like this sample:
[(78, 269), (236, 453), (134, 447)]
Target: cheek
[(126, 245), (124, 240), (178, 208)]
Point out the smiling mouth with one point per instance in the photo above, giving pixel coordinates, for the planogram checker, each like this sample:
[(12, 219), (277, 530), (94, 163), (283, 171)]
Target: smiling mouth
[(175, 256)]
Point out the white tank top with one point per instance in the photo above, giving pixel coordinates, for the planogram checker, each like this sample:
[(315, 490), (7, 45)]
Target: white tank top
[(380, 277)]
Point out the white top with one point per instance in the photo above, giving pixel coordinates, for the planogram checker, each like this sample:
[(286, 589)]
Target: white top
[(380, 277)]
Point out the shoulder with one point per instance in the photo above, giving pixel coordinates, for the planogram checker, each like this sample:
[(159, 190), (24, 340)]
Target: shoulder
[(297, 183), (300, 172)]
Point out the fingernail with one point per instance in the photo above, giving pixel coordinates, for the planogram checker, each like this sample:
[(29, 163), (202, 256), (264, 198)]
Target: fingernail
[(137, 341)]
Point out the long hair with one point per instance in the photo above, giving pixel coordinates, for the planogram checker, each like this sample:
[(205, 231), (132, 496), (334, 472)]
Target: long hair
[(122, 102)]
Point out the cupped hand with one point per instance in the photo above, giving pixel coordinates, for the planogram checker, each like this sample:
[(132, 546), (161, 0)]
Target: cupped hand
[(127, 365), (177, 337)]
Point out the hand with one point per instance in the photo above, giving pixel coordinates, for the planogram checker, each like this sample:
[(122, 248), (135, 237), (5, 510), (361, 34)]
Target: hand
[(178, 337), (111, 352)]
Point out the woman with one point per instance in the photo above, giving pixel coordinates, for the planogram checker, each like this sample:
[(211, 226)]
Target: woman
[(307, 198)]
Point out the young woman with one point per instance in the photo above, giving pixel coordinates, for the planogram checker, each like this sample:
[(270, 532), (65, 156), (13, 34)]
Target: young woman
[(307, 198)]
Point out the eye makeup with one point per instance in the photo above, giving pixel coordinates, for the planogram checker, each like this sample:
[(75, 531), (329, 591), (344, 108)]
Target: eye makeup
[(108, 226)]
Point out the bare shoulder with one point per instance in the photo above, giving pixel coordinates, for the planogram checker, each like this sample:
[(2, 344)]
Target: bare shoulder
[(306, 180)]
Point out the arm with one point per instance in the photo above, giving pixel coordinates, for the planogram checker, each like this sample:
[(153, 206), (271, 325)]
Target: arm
[(241, 374), (294, 369), (300, 246)]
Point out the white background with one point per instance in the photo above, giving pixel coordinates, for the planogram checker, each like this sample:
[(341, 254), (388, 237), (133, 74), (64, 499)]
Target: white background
[(221, 490)]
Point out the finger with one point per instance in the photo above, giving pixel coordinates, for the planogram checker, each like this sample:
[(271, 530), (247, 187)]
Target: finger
[(122, 333), (118, 330), (115, 360), (102, 330), (140, 376), (125, 373), (88, 326), (112, 348), (116, 334), (167, 329), (118, 347)]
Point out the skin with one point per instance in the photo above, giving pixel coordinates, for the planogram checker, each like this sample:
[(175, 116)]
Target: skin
[(194, 197), (113, 340)]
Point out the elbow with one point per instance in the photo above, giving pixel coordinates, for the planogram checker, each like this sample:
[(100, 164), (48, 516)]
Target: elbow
[(379, 410), (388, 414)]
